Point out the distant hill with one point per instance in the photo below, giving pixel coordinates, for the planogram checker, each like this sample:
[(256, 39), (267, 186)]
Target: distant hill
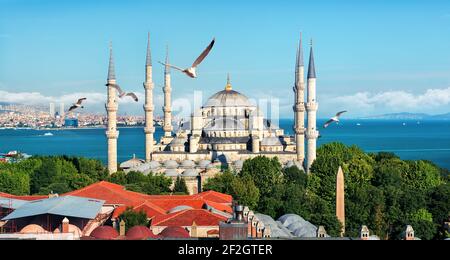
[(410, 116)]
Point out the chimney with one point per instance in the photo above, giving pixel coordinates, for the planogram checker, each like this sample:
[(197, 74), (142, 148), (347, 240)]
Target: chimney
[(194, 230), (122, 228), (65, 226), (364, 234), (239, 213)]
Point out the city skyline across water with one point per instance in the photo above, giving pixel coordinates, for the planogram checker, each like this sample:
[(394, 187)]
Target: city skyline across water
[(409, 139)]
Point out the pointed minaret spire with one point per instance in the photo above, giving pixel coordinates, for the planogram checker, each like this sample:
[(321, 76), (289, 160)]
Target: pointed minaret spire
[(300, 53), (311, 68), (148, 61), (111, 70), (228, 86), (167, 67)]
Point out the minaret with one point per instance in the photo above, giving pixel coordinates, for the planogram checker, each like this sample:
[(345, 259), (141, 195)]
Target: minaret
[(111, 107), (299, 108), (340, 199), (148, 107), (167, 101), (311, 107)]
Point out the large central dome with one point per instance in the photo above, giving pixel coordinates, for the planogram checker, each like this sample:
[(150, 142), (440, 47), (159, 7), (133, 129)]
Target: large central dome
[(228, 98)]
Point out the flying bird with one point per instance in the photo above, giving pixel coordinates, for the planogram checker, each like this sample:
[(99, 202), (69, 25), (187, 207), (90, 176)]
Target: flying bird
[(123, 93), (77, 105), (191, 72), (334, 119)]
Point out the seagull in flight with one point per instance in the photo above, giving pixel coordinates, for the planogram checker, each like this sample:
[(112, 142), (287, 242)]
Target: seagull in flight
[(77, 105), (334, 119), (191, 72), (123, 93)]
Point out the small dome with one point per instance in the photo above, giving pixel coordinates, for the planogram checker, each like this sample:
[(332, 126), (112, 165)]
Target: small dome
[(177, 141), (171, 173), (190, 173), (33, 229), (174, 232), (203, 164), (132, 163), (179, 208), (141, 168), (171, 164), (104, 232), (139, 233), (153, 165), (187, 164)]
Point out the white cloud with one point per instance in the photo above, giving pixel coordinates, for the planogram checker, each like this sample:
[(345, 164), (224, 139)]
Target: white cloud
[(394, 101)]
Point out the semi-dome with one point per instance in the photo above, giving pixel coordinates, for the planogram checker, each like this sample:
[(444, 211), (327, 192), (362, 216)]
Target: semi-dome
[(190, 173), (228, 98), (271, 141), (104, 232), (170, 164), (171, 173)]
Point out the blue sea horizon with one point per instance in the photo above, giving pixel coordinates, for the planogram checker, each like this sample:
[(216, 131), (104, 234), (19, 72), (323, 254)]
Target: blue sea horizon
[(409, 139)]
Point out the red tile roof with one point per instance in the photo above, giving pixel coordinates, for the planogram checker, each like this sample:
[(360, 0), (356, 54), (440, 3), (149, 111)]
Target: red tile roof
[(187, 217), (26, 197), (215, 196)]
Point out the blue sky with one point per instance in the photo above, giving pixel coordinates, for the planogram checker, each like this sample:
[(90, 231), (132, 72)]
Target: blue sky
[(372, 57)]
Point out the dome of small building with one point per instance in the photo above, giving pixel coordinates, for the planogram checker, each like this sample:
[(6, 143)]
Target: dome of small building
[(171, 164), (291, 163), (190, 173), (179, 208), (132, 163), (288, 219), (153, 165), (171, 173), (203, 164), (228, 98), (139, 233), (174, 232), (187, 164), (105, 233), (33, 229)]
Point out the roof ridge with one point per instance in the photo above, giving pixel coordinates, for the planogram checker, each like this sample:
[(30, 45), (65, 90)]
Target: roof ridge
[(170, 217)]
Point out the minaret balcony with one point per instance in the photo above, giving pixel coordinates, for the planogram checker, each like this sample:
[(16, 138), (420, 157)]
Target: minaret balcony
[(300, 131), (112, 107), (148, 85), (167, 109), (149, 130), (299, 107), (149, 108), (312, 134), (312, 106), (112, 134)]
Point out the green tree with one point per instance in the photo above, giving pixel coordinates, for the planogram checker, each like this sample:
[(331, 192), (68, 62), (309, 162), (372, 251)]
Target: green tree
[(245, 191), (180, 186), (134, 218), (265, 172), (14, 182)]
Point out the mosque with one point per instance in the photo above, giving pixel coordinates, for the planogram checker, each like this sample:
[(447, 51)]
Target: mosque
[(224, 132)]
